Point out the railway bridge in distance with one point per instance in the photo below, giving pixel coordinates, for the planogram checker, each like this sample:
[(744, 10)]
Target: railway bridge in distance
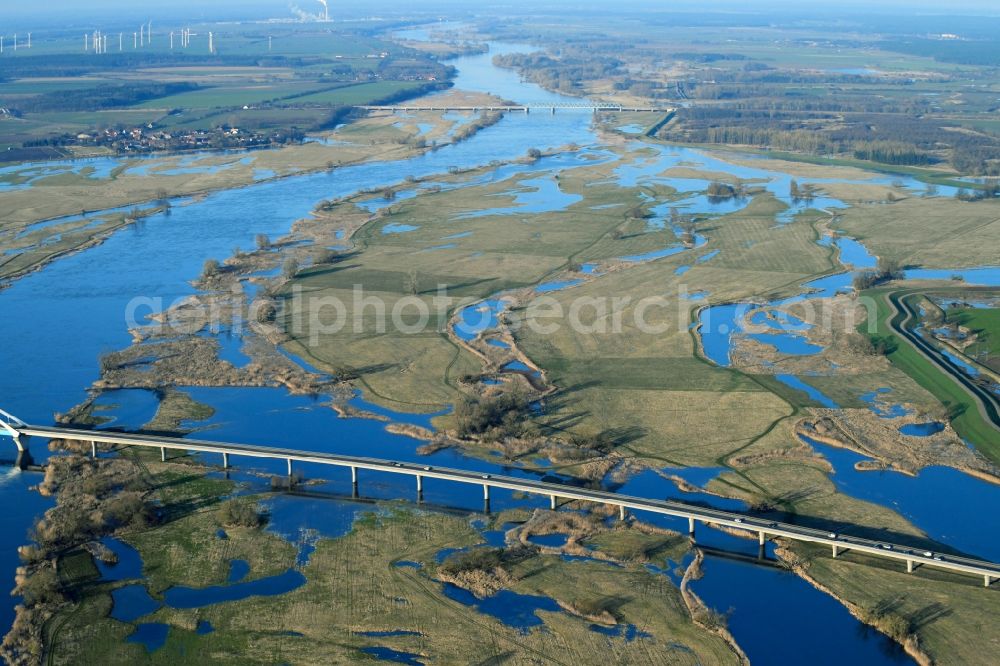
[(763, 527), (594, 107)]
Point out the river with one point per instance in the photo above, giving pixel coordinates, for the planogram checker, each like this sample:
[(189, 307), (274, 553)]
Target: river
[(60, 319)]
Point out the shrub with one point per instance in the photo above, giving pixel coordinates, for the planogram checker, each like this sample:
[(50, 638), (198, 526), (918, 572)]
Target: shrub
[(710, 618), (719, 191), (128, 509), (267, 313), (241, 513), (493, 418), (481, 559), (889, 622), (290, 268), (210, 268), (42, 586), (883, 345), (326, 257), (887, 269)]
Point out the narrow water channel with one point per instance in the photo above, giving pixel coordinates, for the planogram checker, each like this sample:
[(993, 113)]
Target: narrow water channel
[(60, 319)]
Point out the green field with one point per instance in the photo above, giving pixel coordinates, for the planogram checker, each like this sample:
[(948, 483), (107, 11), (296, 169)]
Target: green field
[(362, 93), (303, 67), (984, 322), (235, 96), (964, 413)]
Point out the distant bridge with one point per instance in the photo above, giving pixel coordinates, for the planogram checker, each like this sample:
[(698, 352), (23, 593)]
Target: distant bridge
[(524, 108), (764, 528)]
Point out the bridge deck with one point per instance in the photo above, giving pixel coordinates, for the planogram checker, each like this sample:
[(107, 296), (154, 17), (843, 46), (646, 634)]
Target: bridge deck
[(514, 107), (763, 527)]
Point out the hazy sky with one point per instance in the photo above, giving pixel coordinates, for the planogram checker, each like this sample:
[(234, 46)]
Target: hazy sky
[(373, 6), (66, 13)]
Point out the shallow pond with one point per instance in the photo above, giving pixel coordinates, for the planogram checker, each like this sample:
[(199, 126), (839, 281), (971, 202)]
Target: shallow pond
[(153, 635), (479, 317), (813, 392), (559, 285), (877, 403), (549, 540), (535, 195), (921, 429), (514, 610), (395, 656)]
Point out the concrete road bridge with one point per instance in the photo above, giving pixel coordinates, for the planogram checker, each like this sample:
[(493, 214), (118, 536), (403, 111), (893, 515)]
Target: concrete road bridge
[(764, 528)]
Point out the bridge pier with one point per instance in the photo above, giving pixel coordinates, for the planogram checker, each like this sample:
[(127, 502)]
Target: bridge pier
[(987, 581), (21, 448), (909, 566), (553, 110), (486, 492), (621, 512), (354, 476), (836, 551), (289, 468), (225, 460), (552, 502), (24, 459), (761, 538), (93, 449), (163, 454), (691, 527), (420, 485)]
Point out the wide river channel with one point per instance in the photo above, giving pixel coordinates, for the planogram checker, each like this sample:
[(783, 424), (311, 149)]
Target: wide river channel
[(57, 321)]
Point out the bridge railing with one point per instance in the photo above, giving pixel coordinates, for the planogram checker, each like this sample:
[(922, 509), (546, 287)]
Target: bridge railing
[(9, 423)]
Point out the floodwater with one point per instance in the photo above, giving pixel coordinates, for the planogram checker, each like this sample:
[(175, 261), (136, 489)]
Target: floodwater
[(943, 502), (76, 310)]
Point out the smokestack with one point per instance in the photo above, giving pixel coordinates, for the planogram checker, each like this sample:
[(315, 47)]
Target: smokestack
[(86, 42), (104, 48), (119, 42), (149, 33), (29, 40), (135, 40), (211, 44), (142, 35), (15, 42), (268, 44)]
